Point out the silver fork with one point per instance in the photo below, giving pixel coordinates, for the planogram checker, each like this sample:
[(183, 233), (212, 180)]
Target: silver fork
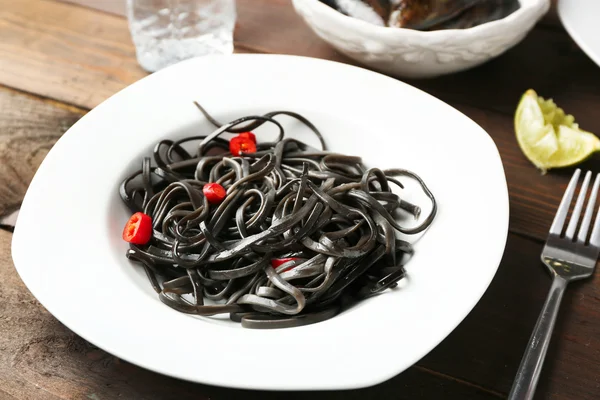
[(568, 258)]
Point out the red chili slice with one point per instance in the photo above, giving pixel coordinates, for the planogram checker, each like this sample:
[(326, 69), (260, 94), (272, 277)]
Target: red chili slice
[(276, 262), (248, 135), (138, 230), (240, 145), (214, 192)]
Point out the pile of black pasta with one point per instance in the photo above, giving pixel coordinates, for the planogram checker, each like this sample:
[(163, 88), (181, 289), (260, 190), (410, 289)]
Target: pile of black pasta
[(301, 233)]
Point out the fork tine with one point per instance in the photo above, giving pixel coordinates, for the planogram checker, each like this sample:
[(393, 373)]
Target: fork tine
[(589, 211), (578, 206), (595, 238), (563, 209)]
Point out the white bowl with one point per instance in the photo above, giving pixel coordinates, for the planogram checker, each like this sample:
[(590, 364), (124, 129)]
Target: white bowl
[(415, 54)]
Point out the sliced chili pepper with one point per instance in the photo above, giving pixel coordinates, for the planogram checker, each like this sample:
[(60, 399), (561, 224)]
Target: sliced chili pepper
[(276, 262), (248, 135), (138, 230), (240, 144), (214, 192)]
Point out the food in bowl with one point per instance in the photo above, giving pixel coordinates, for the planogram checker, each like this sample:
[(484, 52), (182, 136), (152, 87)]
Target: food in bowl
[(426, 15), (412, 53), (275, 233)]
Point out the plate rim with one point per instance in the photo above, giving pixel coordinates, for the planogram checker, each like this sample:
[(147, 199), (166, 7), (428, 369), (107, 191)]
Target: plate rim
[(574, 33)]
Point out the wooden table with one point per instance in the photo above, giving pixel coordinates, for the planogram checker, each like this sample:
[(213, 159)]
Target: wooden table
[(59, 60)]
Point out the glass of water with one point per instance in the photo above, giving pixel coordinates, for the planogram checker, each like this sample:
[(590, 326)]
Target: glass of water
[(168, 31)]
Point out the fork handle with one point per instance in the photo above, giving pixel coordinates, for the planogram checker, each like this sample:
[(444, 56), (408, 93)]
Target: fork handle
[(533, 359)]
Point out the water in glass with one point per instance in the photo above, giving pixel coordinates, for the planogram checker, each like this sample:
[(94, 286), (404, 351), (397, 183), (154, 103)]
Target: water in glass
[(167, 31)]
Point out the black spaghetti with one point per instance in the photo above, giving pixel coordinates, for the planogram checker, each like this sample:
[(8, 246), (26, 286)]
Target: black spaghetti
[(277, 234)]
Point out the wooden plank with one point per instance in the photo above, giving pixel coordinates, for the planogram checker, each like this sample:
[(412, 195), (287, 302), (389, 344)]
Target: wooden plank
[(64, 52), (551, 19), (111, 6), (28, 129), (281, 19), (488, 345), (41, 359), (546, 60), (86, 56)]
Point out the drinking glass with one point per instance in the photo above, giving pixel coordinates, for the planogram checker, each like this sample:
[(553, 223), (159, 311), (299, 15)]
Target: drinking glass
[(167, 31)]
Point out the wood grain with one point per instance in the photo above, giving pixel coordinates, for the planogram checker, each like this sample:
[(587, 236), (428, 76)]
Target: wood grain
[(117, 7), (546, 60), (85, 56), (487, 346), (28, 129), (551, 19), (65, 52), (41, 359)]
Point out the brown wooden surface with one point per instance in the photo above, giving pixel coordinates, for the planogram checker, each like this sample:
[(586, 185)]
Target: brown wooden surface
[(57, 60), (29, 127)]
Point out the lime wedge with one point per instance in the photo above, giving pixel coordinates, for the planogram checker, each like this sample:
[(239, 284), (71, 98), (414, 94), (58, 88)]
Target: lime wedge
[(548, 137)]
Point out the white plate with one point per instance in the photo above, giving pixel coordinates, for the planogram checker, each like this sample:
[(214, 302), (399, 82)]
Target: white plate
[(67, 245), (580, 19)]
